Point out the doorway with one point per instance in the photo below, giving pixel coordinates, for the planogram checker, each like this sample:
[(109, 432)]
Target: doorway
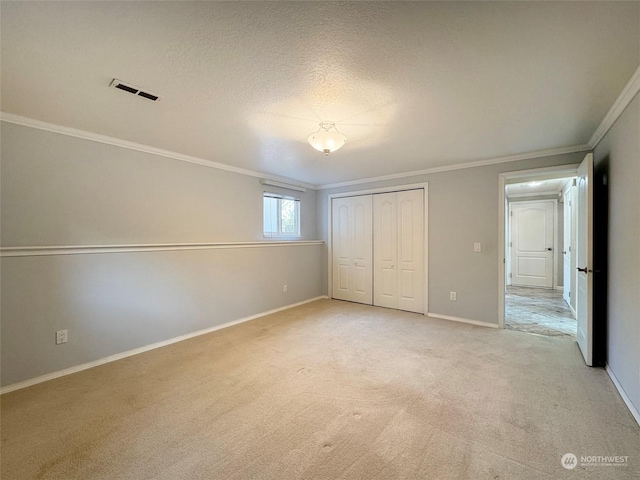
[(539, 241)]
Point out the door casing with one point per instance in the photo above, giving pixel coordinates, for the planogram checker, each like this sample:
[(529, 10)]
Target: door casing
[(396, 188), (545, 172)]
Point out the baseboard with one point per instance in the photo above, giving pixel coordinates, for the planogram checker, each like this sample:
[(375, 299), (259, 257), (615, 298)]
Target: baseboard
[(573, 310), (625, 398), (463, 320), (146, 348)]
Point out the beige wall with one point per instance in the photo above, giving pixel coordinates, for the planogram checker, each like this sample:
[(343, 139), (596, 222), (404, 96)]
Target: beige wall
[(60, 190), (463, 209), (618, 155)]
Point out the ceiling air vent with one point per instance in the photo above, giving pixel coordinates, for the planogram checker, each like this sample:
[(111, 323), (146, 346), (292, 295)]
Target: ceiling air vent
[(127, 87)]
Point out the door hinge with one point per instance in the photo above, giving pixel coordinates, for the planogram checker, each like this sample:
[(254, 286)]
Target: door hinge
[(511, 213), (511, 275), (511, 244)]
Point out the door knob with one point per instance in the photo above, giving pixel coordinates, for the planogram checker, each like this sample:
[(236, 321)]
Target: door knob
[(549, 248), (564, 252), (583, 270)]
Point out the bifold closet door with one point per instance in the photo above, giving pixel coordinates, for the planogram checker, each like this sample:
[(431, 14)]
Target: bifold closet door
[(398, 250), (352, 249)]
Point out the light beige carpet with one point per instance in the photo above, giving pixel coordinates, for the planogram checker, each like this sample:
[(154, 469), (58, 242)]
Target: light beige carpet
[(326, 390)]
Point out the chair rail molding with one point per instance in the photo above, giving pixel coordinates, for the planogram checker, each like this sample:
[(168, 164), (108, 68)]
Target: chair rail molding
[(92, 249)]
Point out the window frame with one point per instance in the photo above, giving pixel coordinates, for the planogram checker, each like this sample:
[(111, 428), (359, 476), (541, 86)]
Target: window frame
[(297, 216)]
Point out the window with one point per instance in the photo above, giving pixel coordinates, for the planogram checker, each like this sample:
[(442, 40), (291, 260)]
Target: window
[(281, 215)]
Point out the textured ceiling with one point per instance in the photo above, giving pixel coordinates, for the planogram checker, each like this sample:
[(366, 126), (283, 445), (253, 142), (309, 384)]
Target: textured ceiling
[(412, 85)]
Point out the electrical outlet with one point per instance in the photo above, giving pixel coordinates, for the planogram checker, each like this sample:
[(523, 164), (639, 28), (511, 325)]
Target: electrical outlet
[(284, 289), (61, 337), (453, 296), (477, 247)]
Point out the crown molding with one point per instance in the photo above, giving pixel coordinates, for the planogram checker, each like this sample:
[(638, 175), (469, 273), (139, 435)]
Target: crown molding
[(532, 195), (628, 93), (545, 193), (459, 166), (95, 137)]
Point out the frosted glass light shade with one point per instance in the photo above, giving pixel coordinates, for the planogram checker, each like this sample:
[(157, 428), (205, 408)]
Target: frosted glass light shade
[(327, 139)]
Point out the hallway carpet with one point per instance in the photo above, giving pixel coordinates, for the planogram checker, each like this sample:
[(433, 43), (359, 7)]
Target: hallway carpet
[(327, 390)]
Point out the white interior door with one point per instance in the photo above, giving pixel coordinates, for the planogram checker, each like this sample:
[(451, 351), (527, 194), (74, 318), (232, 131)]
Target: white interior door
[(411, 251), (352, 244), (385, 250), (532, 237), (399, 250), (507, 243), (566, 247), (584, 258), (574, 235)]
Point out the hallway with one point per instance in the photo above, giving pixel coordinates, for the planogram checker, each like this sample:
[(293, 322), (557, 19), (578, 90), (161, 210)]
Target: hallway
[(540, 311)]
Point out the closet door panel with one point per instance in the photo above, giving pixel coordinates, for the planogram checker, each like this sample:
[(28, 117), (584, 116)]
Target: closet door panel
[(411, 250), (385, 250), (378, 249), (352, 250)]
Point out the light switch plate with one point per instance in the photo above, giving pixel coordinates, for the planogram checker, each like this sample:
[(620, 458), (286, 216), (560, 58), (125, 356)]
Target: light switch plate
[(477, 247), (61, 337)]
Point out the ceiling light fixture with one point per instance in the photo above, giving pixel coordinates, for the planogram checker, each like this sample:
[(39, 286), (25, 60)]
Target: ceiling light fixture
[(327, 139)]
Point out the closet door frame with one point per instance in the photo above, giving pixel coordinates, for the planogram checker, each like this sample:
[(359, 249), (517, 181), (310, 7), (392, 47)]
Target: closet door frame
[(356, 193)]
